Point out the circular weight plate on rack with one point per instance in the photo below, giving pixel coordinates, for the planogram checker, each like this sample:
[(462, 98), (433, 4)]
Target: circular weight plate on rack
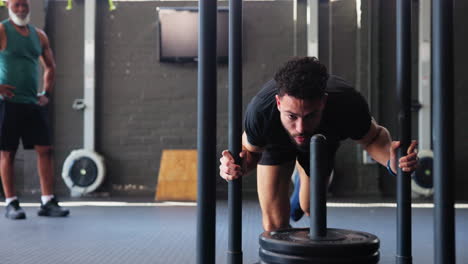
[(338, 242), (268, 257), (83, 171), (422, 178)]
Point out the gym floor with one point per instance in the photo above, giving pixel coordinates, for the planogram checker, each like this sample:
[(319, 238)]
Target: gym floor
[(139, 233)]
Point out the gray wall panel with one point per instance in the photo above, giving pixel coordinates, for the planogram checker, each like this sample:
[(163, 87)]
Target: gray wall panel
[(145, 106)]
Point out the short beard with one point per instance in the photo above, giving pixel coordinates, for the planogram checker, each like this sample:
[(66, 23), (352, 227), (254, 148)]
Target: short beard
[(304, 147), (17, 20)]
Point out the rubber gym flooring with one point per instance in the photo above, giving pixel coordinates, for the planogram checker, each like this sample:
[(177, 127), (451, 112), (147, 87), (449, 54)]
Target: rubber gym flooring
[(140, 233)]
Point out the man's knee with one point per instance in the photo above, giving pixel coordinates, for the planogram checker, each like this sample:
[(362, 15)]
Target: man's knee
[(44, 151), (7, 156)]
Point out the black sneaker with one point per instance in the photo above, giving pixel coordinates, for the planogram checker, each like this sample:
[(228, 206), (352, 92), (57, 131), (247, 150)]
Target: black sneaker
[(14, 211), (52, 208)]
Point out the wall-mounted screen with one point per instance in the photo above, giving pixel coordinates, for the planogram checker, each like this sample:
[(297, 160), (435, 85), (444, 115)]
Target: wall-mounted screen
[(178, 34)]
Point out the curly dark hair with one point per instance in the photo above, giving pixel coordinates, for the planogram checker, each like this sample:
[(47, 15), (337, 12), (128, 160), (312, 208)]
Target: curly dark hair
[(302, 77)]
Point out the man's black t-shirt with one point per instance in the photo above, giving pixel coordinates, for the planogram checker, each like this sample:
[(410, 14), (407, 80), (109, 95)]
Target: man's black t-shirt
[(346, 115)]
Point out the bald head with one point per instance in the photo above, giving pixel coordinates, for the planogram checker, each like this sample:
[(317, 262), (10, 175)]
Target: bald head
[(19, 11), (14, 1), (18, 3)]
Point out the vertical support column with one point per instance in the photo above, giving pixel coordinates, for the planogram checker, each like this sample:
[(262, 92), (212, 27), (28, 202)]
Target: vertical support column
[(89, 73), (374, 62), (312, 28), (300, 27), (234, 254), (403, 83), (318, 186), (325, 33), (424, 76), (206, 138), (443, 132)]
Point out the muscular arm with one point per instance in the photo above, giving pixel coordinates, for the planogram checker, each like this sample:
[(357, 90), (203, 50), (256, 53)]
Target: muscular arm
[(5, 89), (47, 61), (377, 143), (3, 39), (251, 156)]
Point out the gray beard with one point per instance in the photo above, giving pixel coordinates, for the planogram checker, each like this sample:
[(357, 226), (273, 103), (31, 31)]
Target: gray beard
[(17, 20)]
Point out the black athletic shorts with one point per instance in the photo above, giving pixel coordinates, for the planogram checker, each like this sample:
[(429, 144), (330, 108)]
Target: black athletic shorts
[(28, 122), (276, 155)]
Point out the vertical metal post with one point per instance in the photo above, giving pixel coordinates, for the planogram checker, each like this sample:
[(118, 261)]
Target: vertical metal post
[(206, 138), (89, 73), (295, 27), (300, 27), (318, 186), (312, 28), (234, 254), (443, 132), (330, 38), (403, 83), (424, 75)]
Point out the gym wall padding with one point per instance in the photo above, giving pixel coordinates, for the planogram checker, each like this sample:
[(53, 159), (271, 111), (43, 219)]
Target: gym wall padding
[(177, 178)]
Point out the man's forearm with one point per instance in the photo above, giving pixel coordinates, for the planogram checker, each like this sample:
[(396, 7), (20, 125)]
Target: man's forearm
[(379, 148), (49, 79)]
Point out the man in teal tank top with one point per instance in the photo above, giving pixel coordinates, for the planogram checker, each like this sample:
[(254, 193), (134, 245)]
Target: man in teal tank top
[(23, 111)]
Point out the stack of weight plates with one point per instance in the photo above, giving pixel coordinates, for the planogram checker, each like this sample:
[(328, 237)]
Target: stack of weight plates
[(339, 246)]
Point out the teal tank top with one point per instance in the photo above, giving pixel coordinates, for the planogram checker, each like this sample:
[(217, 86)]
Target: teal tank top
[(19, 63)]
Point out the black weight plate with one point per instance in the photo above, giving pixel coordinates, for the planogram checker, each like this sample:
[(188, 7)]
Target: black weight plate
[(83, 172), (342, 242), (268, 257)]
